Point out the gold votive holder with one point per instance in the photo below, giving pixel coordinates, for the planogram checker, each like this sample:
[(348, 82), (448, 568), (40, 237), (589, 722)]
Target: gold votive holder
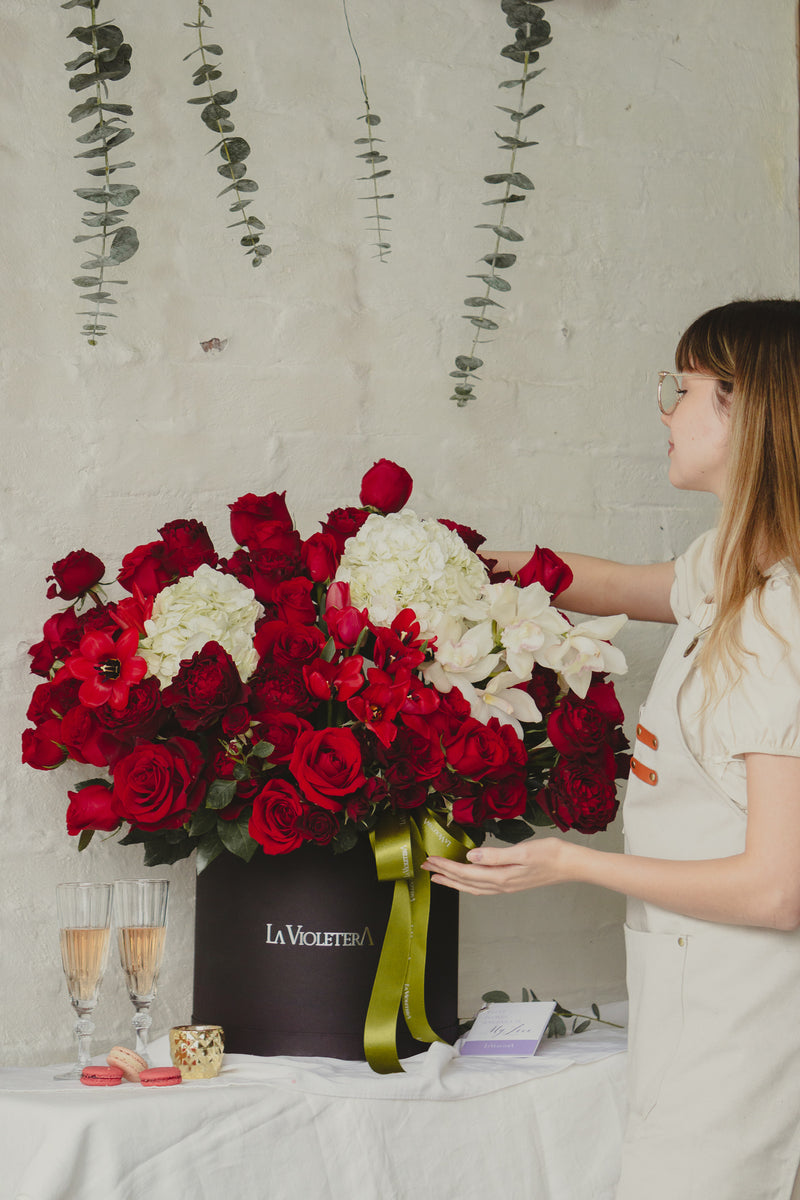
[(197, 1050)]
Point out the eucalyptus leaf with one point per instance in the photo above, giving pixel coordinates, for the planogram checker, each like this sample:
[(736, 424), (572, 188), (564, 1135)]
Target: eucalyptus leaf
[(206, 74), (104, 36), (241, 185), (503, 231), (525, 79), (495, 997), (124, 245), (104, 296), (224, 97), (494, 281), (102, 219), (85, 281), (377, 175), (250, 239), (500, 261), (482, 322), (98, 131), (212, 48), (114, 193), (110, 169), (467, 363), (480, 302), (235, 149), (513, 198), (371, 118), (78, 4), (232, 170), (262, 251), (239, 206), (512, 143), (373, 156), (581, 1026), (384, 196)]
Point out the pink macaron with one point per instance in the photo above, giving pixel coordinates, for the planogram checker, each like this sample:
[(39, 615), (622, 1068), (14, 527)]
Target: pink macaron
[(128, 1061), (160, 1076), (101, 1076)]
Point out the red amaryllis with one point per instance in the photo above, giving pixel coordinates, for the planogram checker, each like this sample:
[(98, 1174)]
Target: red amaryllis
[(75, 575), (379, 703), (107, 668), (327, 680)]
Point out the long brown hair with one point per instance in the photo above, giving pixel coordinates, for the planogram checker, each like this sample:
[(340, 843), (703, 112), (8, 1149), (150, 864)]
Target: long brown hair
[(753, 348)]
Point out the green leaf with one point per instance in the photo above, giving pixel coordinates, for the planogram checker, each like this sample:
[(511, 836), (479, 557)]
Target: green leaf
[(262, 750), (110, 169), (500, 262), (480, 301), (205, 74), (371, 118), (202, 821), (514, 177), (104, 36), (556, 1027), (234, 149), (596, 1011), (250, 239), (514, 198), (512, 143), (114, 193), (383, 196), (511, 831), (103, 220), (366, 141), (254, 223), (465, 363), (205, 8), (240, 205), (220, 793), (98, 296), (163, 853), (525, 79), (375, 175), (224, 97), (481, 323), (262, 251), (495, 997), (373, 156), (503, 231), (85, 281), (345, 839), (85, 838), (240, 185), (581, 1027), (208, 848), (122, 136), (494, 281), (520, 116), (234, 837), (212, 48), (232, 170), (124, 245)]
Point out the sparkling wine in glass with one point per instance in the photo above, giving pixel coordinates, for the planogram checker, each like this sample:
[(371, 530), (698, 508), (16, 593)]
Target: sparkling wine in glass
[(140, 912), (84, 917)]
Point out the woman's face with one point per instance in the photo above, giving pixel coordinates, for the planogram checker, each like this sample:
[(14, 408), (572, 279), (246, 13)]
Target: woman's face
[(699, 432)]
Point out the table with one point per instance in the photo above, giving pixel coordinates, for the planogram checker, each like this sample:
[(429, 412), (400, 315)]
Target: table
[(451, 1128)]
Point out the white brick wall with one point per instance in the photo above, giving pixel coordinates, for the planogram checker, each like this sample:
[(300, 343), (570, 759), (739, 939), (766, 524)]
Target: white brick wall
[(666, 182)]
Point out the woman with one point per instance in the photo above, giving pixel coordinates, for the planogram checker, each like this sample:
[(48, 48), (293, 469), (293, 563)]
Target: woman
[(712, 810)]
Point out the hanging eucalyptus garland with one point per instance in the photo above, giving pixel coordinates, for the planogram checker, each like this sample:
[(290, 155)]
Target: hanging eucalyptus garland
[(233, 150), (372, 157), (109, 56), (532, 32)]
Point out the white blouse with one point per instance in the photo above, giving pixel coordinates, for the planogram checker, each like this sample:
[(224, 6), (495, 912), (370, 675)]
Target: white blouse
[(760, 711)]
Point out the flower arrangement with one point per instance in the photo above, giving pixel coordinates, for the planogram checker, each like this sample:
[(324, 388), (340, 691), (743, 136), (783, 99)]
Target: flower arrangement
[(302, 689)]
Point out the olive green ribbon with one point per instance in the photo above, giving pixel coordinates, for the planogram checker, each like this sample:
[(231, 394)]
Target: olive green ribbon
[(401, 842)]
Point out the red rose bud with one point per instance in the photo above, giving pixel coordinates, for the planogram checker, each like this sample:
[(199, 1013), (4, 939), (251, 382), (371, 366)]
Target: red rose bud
[(41, 747), (548, 569), (75, 575), (90, 808), (386, 487), (320, 554), (145, 568), (249, 512)]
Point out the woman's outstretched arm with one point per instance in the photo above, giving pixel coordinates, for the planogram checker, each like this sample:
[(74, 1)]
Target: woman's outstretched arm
[(760, 886), (601, 587)]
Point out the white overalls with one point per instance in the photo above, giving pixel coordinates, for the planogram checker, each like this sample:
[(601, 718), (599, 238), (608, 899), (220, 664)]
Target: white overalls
[(714, 1060)]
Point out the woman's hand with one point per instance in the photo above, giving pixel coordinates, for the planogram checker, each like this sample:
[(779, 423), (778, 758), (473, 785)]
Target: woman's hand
[(490, 870)]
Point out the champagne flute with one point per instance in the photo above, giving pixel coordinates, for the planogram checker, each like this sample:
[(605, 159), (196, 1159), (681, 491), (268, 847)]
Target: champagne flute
[(84, 917), (140, 912)]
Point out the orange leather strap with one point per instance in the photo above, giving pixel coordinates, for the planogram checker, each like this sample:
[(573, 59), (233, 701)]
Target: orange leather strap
[(646, 737), (644, 773)]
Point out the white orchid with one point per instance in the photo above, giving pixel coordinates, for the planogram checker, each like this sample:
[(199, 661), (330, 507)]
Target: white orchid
[(503, 699), (470, 658), (584, 648)]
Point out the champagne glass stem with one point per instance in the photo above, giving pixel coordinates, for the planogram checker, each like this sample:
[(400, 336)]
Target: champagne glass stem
[(141, 1024), (84, 1028)]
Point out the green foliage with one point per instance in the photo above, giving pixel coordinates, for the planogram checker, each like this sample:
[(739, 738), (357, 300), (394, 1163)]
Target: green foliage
[(556, 1026), (532, 32), (109, 57), (215, 114), (372, 158)]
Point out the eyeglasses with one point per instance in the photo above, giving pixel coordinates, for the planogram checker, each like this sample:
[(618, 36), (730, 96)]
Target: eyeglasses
[(670, 391)]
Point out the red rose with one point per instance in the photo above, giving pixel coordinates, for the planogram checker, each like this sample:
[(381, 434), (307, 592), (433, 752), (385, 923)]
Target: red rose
[(186, 545), (75, 575), (275, 821), (602, 694), (207, 684), (236, 720), (158, 785), (292, 601), (580, 795), (41, 747), (61, 635), (576, 727), (418, 746), (249, 512), (145, 568), (90, 808), (319, 826), (51, 699), (278, 559), (327, 765), (86, 739), (471, 538), (543, 688), (288, 644), (478, 750), (344, 523), (548, 569), (506, 800), (282, 731), (321, 556), (386, 487)]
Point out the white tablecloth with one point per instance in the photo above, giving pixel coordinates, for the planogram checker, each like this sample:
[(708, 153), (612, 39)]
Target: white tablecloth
[(450, 1128)]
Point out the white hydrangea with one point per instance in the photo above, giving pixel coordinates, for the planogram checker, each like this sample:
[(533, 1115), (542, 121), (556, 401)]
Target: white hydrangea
[(205, 607), (402, 561)]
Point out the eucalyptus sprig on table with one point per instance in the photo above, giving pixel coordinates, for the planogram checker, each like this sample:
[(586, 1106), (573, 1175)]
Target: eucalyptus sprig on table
[(532, 32), (372, 157), (233, 150), (109, 56), (556, 1026)]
